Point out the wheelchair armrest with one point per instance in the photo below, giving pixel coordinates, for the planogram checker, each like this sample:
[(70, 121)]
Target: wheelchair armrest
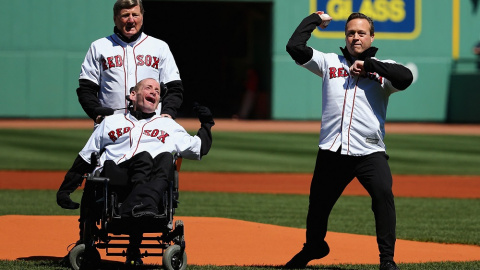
[(178, 163), (91, 177)]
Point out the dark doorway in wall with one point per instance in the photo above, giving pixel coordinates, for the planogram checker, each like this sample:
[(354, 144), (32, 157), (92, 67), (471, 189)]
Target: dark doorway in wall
[(223, 51)]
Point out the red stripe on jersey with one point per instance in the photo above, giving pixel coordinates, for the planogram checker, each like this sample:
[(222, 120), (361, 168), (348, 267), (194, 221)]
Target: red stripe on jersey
[(130, 131), (135, 57), (351, 114), (343, 112), (141, 134), (126, 92)]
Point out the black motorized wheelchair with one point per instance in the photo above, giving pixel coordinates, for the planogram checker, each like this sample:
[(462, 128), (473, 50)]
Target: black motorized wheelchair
[(104, 228)]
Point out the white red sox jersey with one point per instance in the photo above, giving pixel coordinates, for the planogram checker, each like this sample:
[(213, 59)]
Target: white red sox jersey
[(116, 66), (119, 137), (353, 108)]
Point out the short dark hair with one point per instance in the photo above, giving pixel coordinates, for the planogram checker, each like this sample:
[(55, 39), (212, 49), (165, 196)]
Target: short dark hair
[(358, 15), (122, 4)]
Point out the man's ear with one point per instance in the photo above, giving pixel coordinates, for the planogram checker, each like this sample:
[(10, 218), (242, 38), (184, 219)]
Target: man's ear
[(133, 96)]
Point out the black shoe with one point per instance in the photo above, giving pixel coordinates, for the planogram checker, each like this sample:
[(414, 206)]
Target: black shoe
[(144, 210), (134, 258), (306, 255), (388, 265)]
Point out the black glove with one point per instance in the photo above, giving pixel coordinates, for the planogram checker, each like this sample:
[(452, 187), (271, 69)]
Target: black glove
[(64, 201), (203, 114), (104, 111), (73, 179)]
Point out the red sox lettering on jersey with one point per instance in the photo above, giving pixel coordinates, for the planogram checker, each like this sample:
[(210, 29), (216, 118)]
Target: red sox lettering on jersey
[(342, 72), (117, 133), (141, 60), (155, 133), (337, 72)]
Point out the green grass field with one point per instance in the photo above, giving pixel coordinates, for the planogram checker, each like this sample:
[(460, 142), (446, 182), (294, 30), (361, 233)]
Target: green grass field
[(252, 152), (421, 219)]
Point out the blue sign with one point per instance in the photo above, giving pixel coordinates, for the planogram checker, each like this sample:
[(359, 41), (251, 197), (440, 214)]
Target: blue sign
[(393, 19)]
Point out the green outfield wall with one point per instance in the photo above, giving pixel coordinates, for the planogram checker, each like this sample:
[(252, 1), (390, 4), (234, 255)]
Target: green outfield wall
[(45, 42)]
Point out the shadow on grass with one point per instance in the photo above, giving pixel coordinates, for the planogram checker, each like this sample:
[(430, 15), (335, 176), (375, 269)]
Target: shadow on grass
[(64, 262), (313, 267), (51, 261)]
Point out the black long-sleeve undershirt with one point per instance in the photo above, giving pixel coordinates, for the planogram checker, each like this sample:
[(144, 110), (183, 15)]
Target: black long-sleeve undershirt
[(173, 98), (87, 93), (297, 44), (400, 76), (205, 134)]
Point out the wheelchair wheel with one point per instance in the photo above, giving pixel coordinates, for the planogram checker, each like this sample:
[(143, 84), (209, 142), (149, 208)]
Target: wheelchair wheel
[(82, 259), (178, 223), (173, 260), (180, 238)]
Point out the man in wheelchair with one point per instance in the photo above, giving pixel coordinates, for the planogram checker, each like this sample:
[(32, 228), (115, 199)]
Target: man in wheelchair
[(136, 147)]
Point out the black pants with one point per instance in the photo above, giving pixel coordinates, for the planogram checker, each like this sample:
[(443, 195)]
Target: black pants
[(333, 172), (147, 181)]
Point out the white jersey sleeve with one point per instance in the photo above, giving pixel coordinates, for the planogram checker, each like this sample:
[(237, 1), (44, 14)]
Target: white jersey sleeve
[(94, 143), (168, 70), (90, 68), (186, 145), (317, 64)]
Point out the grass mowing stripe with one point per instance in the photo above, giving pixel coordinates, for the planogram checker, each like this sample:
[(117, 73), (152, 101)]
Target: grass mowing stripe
[(40, 149), (252, 152), (421, 219), (434, 154)]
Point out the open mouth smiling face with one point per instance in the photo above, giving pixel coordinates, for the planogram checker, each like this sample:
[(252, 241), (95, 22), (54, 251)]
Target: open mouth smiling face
[(147, 97), (151, 99)]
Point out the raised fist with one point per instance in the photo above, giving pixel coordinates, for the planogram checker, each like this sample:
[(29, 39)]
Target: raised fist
[(203, 113)]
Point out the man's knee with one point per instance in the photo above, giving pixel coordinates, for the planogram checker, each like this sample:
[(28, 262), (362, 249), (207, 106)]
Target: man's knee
[(144, 157), (164, 159)]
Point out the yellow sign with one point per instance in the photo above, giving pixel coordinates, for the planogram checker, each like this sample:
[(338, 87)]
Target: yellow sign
[(393, 19)]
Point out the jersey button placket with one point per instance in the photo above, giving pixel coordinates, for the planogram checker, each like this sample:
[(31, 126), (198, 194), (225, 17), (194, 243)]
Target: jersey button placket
[(347, 118), (131, 66)]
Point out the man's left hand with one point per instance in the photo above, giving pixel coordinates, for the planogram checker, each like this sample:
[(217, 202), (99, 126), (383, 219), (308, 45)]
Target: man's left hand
[(64, 201), (203, 113), (357, 69)]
